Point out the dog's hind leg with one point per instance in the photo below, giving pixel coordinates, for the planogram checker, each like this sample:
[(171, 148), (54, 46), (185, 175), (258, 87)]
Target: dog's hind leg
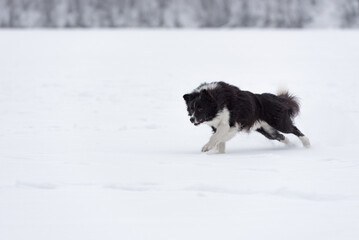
[(301, 136), (274, 135), (271, 133)]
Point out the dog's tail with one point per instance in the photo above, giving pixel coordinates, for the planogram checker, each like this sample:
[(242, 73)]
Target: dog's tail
[(290, 100)]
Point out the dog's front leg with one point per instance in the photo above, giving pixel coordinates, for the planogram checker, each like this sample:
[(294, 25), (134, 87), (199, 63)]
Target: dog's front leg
[(221, 147), (222, 135), (218, 137)]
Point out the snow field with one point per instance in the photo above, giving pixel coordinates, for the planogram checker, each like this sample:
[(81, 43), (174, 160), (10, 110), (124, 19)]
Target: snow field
[(95, 141)]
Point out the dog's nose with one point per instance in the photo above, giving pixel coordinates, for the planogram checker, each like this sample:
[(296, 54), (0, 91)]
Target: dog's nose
[(192, 119)]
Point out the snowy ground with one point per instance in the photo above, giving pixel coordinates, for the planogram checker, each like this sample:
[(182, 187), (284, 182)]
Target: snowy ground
[(95, 142)]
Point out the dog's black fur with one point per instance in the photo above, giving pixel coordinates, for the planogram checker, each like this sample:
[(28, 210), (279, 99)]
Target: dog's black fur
[(245, 108)]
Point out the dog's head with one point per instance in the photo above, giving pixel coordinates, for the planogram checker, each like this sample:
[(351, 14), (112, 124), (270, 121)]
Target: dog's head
[(201, 106)]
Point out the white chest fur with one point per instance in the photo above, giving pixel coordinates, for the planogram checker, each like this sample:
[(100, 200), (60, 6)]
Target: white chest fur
[(221, 118)]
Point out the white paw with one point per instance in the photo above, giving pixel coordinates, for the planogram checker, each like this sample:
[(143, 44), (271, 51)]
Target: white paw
[(305, 141), (207, 147)]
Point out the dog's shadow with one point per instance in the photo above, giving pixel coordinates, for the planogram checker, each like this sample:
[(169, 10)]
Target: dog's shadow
[(245, 151), (258, 151), (261, 150)]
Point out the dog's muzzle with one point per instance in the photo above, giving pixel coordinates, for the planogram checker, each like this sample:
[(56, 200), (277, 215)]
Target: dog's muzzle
[(193, 120)]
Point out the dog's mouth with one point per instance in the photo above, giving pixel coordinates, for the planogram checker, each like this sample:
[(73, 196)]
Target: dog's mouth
[(197, 123)]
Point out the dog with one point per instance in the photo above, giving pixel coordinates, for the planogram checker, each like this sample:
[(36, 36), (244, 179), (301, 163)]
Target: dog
[(228, 110)]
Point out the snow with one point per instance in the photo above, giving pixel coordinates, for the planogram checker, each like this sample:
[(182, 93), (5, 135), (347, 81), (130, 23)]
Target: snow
[(95, 141)]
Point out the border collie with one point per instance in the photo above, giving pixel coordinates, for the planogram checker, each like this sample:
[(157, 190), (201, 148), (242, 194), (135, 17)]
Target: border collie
[(227, 109)]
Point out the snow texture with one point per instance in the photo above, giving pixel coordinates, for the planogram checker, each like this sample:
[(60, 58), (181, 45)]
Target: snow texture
[(96, 142)]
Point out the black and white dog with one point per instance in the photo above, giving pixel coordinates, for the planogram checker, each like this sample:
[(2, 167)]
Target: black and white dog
[(227, 109)]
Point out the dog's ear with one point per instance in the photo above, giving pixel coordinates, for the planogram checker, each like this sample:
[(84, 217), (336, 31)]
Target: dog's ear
[(204, 93), (188, 97)]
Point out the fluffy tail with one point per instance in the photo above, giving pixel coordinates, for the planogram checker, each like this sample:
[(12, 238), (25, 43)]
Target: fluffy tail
[(290, 100)]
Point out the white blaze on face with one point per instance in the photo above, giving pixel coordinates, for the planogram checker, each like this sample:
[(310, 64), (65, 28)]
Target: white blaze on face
[(195, 119)]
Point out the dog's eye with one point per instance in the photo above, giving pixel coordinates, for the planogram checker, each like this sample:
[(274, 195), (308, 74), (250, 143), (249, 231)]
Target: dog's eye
[(199, 109)]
